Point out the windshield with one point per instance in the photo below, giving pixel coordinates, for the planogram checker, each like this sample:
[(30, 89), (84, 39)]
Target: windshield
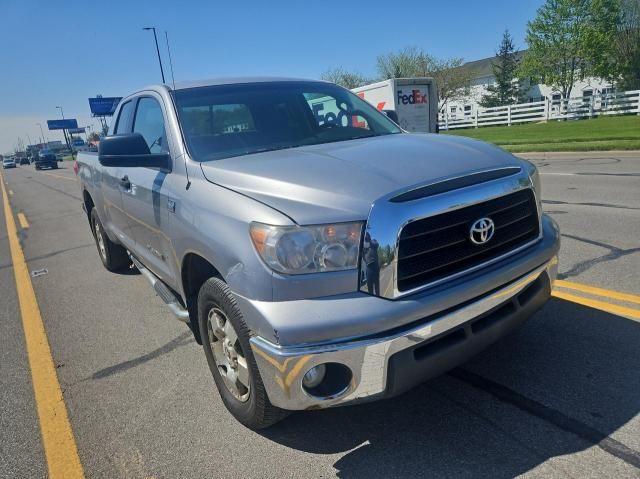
[(232, 120)]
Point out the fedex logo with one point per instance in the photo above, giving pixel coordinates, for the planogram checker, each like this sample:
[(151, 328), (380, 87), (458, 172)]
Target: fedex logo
[(379, 106), (415, 97)]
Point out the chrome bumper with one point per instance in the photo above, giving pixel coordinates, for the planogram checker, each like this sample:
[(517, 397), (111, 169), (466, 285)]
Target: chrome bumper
[(282, 369)]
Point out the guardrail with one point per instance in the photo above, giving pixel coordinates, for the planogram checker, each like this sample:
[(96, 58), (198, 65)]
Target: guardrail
[(627, 102)]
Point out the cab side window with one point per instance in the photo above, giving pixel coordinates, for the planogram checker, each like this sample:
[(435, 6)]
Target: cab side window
[(149, 122), (123, 125)]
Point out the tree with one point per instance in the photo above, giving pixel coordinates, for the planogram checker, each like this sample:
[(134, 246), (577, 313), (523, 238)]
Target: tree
[(344, 78), (600, 40), (93, 137), (567, 40), (506, 89), (408, 62), (451, 80), (626, 46)]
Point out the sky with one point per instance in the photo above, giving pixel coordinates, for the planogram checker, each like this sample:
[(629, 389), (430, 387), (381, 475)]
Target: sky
[(61, 53)]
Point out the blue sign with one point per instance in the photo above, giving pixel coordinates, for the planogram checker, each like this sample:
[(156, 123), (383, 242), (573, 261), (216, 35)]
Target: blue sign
[(62, 124), (76, 130), (104, 106)]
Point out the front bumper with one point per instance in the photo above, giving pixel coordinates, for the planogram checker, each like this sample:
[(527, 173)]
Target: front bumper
[(46, 164), (389, 365), (386, 363)]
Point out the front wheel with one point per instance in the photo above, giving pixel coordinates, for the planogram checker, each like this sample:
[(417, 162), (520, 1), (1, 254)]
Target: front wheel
[(225, 339)]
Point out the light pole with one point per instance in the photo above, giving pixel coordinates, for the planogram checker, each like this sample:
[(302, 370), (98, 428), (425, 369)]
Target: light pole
[(157, 50), (173, 80), (64, 131), (41, 132)]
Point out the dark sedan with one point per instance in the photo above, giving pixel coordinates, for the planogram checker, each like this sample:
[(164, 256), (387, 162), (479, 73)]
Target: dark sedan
[(46, 159)]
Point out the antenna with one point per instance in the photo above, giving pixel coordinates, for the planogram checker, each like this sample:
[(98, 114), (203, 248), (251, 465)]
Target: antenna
[(173, 80)]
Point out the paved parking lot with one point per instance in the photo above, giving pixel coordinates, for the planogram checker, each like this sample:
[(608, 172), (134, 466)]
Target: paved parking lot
[(561, 397)]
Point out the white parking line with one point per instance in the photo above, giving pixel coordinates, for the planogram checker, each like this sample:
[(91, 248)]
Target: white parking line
[(559, 174)]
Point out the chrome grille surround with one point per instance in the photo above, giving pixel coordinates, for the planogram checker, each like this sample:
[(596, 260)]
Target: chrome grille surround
[(387, 220)]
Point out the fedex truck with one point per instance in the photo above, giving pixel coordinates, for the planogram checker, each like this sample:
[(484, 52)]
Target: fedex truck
[(413, 100)]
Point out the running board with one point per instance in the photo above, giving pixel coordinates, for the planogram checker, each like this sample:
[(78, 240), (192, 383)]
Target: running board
[(163, 291)]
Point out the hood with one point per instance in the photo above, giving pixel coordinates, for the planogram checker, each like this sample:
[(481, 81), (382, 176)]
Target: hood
[(336, 182)]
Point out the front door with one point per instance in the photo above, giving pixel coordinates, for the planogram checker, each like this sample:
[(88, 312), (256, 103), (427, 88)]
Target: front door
[(146, 199), (113, 183)]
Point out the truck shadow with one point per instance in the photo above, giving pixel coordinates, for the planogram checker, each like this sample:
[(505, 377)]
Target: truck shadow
[(565, 382)]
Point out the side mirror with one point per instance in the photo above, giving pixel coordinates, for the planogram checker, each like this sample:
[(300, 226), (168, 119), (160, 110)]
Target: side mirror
[(130, 151), (393, 116)]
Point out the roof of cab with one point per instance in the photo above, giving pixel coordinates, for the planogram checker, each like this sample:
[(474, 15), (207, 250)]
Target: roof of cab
[(233, 81)]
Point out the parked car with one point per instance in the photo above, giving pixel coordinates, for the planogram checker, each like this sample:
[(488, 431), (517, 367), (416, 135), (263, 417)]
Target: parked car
[(46, 159), (8, 162), (256, 217)]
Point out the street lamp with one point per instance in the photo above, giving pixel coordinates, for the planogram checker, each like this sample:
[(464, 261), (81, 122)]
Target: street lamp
[(64, 131), (41, 132), (157, 50)]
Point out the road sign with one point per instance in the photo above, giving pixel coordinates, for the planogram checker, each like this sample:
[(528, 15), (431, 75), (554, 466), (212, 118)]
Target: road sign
[(62, 124), (103, 106), (74, 131)]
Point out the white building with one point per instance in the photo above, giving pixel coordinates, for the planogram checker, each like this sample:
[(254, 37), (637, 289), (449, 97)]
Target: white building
[(482, 76)]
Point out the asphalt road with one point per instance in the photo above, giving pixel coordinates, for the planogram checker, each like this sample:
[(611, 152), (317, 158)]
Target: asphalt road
[(561, 397)]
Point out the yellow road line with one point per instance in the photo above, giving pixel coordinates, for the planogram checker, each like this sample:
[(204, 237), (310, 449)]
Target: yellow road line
[(607, 293), (601, 305), (24, 224), (57, 436), (59, 176)]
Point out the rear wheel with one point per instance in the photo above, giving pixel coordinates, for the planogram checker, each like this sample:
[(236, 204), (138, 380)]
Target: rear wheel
[(225, 339), (114, 257)]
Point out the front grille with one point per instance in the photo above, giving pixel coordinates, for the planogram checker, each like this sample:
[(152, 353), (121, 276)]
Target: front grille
[(434, 248)]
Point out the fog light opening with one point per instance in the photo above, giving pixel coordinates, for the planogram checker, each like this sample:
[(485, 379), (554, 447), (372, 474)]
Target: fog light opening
[(327, 381), (314, 376)]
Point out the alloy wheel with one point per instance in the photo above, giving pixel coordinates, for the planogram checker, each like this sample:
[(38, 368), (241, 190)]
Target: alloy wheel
[(227, 354)]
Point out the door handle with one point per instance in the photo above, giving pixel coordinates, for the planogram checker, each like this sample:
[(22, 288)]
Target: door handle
[(124, 181)]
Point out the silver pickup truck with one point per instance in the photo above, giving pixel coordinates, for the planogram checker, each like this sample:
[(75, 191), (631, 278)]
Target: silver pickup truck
[(319, 259)]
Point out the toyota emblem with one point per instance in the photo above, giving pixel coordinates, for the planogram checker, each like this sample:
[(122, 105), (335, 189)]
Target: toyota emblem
[(482, 230)]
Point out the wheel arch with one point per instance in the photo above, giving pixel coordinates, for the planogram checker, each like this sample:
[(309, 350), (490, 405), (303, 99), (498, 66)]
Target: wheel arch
[(87, 203), (194, 271)]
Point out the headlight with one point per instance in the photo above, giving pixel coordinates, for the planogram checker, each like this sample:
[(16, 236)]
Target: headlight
[(308, 249)]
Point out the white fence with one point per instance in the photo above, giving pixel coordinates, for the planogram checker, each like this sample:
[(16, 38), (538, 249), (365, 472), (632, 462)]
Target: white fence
[(627, 102)]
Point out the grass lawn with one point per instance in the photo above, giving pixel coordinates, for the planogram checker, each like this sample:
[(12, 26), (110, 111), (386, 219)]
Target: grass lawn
[(605, 133)]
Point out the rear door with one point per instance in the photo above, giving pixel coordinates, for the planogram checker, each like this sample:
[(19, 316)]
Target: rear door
[(146, 201), (112, 184)]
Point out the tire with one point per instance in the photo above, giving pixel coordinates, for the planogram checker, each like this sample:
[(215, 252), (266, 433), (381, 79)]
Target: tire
[(37, 168), (113, 256), (252, 408)]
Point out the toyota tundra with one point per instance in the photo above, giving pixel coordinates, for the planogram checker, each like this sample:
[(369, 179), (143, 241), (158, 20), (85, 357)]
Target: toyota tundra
[(320, 259)]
